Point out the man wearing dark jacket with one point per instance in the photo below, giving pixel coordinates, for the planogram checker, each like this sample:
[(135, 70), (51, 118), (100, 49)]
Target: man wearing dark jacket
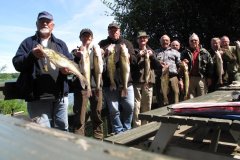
[(121, 118), (200, 66), (143, 77), (43, 87)]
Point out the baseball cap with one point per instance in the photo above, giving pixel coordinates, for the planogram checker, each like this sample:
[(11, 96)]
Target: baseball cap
[(113, 24), (86, 30), (142, 34), (45, 14)]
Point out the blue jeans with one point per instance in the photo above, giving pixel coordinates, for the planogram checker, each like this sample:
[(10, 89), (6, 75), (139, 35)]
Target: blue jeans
[(50, 113), (120, 109)]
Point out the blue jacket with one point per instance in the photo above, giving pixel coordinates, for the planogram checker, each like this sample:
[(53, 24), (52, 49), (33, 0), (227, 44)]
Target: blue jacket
[(40, 85)]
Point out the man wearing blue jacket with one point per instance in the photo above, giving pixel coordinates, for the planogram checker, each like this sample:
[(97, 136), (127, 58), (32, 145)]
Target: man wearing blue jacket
[(43, 87)]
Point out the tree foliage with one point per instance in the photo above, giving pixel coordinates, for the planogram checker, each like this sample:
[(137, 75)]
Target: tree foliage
[(9, 106), (8, 76), (177, 18)]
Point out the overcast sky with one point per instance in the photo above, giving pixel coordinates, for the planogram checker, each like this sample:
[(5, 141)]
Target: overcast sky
[(18, 19)]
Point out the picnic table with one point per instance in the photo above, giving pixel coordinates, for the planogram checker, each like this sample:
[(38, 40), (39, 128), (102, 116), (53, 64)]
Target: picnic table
[(170, 122)]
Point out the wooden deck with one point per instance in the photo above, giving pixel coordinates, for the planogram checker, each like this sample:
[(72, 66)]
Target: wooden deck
[(23, 140)]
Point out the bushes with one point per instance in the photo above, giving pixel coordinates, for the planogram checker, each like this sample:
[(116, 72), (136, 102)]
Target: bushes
[(7, 106)]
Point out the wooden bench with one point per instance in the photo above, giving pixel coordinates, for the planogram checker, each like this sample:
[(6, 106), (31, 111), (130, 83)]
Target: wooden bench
[(135, 135), (23, 140)]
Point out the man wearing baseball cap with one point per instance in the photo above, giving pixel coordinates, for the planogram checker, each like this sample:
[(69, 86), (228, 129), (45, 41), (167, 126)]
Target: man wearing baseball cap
[(44, 88), (85, 55), (121, 119)]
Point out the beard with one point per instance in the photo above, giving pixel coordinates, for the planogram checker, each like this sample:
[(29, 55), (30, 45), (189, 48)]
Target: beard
[(44, 31)]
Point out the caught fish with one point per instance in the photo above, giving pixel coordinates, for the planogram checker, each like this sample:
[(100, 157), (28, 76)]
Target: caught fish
[(164, 84), (124, 68), (85, 65), (237, 43), (111, 68), (98, 65), (219, 64), (184, 69), (147, 69), (60, 61)]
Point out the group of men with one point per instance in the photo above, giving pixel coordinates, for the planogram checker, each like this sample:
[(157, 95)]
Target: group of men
[(46, 91)]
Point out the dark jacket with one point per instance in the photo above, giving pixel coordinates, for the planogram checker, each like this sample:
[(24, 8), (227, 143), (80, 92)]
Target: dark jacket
[(138, 69), (39, 86), (204, 59), (133, 60)]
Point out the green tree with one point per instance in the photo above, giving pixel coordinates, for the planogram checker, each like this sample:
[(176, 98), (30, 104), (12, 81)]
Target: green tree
[(177, 18)]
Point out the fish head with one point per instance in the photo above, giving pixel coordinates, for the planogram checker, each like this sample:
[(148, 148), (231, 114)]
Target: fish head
[(97, 50), (124, 50)]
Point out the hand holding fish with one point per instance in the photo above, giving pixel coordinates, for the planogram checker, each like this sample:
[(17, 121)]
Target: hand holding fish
[(38, 51), (79, 51), (65, 71)]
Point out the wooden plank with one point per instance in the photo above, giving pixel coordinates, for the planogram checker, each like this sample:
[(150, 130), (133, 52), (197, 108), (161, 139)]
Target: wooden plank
[(235, 125), (217, 96), (185, 153), (227, 88), (135, 135), (8, 90), (148, 115), (24, 141), (215, 139), (197, 121), (219, 123), (163, 137)]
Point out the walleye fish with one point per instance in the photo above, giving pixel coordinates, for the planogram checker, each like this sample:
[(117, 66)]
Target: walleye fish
[(219, 64), (184, 69), (86, 68), (237, 43), (60, 61), (111, 68), (124, 68), (147, 68), (164, 84), (98, 65)]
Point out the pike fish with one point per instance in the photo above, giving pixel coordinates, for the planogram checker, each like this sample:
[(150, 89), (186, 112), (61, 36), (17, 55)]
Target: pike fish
[(98, 65), (60, 61), (147, 68), (124, 68), (164, 84), (111, 68), (219, 64), (85, 65), (184, 69)]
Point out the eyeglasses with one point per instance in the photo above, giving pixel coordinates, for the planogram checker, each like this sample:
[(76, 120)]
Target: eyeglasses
[(193, 40)]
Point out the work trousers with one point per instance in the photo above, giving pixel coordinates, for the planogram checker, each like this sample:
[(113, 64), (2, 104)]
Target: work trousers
[(81, 103)]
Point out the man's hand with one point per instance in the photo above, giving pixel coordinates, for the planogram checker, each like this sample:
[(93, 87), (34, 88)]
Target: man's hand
[(65, 71), (38, 51), (181, 85)]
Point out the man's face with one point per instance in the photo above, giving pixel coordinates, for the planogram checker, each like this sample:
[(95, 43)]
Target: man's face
[(165, 41), (175, 45), (194, 43), (45, 26), (86, 38), (225, 42), (215, 44), (114, 33), (142, 40)]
